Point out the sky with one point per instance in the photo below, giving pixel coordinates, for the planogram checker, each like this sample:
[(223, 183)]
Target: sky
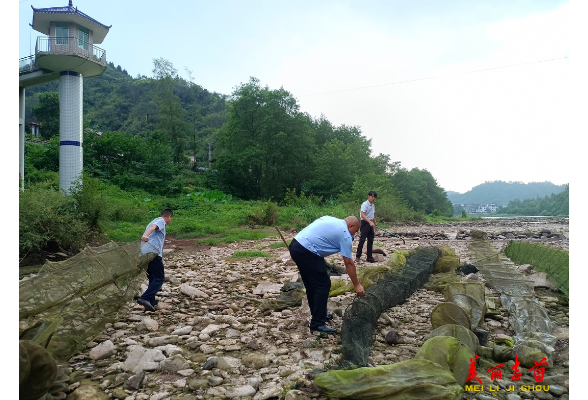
[(471, 91)]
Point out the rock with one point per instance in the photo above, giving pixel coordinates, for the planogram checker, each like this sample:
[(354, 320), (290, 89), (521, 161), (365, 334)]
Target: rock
[(88, 390), (192, 292), (482, 336), (240, 391), (267, 287), (135, 382), (256, 361), (103, 350), (393, 337)]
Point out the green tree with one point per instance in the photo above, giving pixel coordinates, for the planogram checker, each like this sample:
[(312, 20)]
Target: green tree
[(42, 161), (390, 206), (42, 156), (266, 144), (173, 125), (47, 113), (163, 69), (342, 155), (119, 103), (171, 112), (112, 154), (333, 170), (130, 162), (421, 191)]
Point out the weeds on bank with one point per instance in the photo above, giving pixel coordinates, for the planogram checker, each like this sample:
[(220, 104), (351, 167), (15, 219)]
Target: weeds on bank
[(252, 254), (232, 235), (554, 262), (50, 221)]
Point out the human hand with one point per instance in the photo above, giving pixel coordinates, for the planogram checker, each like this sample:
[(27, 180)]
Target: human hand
[(145, 238), (359, 290)]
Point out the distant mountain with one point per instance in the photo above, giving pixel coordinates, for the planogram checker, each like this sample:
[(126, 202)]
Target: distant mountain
[(500, 192)]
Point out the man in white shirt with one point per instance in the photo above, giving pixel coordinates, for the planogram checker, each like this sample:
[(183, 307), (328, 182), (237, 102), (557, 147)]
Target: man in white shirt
[(368, 222)]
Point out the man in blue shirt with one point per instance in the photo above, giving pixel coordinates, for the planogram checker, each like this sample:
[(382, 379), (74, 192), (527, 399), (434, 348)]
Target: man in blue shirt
[(155, 235), (323, 237)]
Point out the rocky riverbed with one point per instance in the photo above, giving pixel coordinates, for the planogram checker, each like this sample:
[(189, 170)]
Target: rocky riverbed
[(209, 340)]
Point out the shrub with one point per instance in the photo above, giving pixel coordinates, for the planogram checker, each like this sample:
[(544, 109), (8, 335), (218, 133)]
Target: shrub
[(49, 220), (91, 205), (268, 216), (292, 199)]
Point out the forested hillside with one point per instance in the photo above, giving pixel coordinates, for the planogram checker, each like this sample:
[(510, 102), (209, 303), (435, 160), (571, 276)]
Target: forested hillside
[(554, 204), (500, 192), (140, 133), (147, 132), (116, 101)]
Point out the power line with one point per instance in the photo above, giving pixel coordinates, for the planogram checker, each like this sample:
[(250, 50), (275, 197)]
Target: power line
[(435, 77)]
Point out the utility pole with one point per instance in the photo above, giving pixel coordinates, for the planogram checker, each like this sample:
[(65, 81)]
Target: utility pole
[(194, 163), (209, 157)]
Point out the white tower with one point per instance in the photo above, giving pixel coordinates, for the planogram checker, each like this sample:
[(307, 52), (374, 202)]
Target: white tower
[(71, 157), (67, 53)]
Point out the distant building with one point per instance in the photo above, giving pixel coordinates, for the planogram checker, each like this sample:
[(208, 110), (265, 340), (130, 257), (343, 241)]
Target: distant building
[(35, 128), (475, 209)]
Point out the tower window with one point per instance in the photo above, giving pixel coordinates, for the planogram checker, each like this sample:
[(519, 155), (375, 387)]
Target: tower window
[(83, 37), (62, 33)]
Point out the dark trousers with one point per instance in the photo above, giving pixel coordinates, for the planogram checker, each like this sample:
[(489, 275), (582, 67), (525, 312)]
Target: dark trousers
[(366, 232), (156, 276), (316, 281)]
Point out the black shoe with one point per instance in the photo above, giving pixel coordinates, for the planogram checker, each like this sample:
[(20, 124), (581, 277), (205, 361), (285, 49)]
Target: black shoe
[(146, 304), (371, 260), (323, 329), (357, 259), (329, 317)]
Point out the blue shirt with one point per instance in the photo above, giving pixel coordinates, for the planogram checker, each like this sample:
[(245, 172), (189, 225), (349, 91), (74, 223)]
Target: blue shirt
[(157, 237), (325, 236)]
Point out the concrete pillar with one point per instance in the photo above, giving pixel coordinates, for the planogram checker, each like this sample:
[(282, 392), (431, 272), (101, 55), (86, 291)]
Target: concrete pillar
[(21, 135), (70, 129)]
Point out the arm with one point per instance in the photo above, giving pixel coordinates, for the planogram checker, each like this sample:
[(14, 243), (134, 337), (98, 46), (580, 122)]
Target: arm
[(148, 232), (352, 272)]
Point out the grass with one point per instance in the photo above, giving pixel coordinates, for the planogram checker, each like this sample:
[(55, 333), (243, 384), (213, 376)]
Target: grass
[(232, 235), (215, 223), (250, 254), (125, 231), (553, 261), (441, 219), (277, 245), (212, 222)]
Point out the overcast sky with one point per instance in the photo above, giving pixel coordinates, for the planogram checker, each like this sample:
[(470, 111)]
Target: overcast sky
[(472, 91)]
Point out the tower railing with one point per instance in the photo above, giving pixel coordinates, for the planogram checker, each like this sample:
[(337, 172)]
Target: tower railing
[(70, 46), (27, 64)]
